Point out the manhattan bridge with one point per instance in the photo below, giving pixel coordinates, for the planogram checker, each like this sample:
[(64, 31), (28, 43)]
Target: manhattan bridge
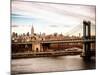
[(40, 47)]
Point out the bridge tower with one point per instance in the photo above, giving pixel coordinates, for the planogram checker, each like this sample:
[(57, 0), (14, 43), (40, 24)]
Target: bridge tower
[(86, 36)]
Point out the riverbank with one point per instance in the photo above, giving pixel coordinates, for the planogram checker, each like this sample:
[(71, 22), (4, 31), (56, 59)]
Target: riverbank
[(44, 54)]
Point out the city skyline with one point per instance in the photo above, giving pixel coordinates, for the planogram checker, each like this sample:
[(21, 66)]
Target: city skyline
[(50, 18)]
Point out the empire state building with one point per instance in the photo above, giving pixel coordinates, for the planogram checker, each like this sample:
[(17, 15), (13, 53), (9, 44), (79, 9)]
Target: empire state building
[(32, 30)]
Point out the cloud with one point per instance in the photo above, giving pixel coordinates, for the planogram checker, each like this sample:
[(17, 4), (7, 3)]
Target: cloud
[(66, 25), (47, 15), (53, 26), (14, 25), (61, 26)]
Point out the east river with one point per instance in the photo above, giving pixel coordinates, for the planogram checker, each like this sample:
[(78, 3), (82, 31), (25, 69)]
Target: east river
[(50, 64)]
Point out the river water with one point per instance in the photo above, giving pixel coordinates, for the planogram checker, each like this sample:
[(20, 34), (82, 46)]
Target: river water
[(48, 64)]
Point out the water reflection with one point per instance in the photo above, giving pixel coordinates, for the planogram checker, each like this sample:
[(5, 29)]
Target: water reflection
[(47, 64)]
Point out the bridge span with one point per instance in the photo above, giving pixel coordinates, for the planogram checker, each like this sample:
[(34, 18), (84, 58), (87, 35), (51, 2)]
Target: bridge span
[(58, 41), (41, 45)]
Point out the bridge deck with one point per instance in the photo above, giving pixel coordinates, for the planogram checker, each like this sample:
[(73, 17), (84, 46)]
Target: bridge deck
[(57, 41)]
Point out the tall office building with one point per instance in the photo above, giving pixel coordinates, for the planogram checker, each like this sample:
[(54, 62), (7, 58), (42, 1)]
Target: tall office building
[(32, 30)]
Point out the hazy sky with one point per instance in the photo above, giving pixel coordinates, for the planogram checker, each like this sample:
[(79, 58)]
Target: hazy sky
[(50, 18)]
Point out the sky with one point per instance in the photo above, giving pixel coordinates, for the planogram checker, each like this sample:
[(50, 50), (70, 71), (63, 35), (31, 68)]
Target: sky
[(51, 18)]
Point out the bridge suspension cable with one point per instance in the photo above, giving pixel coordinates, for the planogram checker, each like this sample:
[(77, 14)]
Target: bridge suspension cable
[(79, 29)]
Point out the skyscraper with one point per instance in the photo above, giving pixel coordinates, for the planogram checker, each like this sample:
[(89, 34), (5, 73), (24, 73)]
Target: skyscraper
[(32, 30)]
